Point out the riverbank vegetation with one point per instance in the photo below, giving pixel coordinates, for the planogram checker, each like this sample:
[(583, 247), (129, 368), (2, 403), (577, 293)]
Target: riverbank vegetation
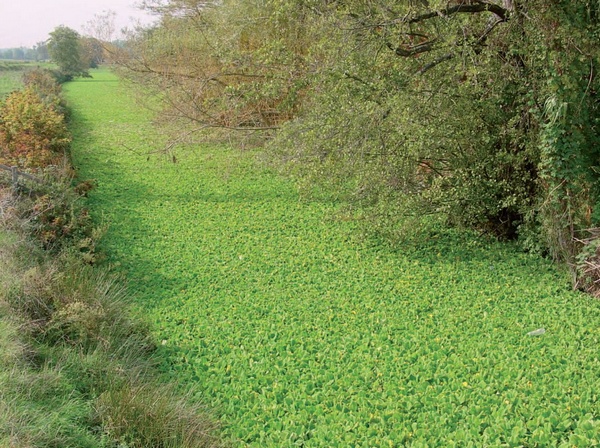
[(398, 288), (77, 364), (481, 113), (297, 327)]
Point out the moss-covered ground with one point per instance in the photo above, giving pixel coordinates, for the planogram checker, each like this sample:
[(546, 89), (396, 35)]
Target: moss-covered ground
[(297, 330)]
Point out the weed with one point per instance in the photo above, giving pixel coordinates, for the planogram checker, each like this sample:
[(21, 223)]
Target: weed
[(171, 423)]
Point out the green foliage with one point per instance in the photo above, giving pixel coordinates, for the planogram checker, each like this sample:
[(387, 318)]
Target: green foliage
[(40, 405), (78, 349), (483, 113), (65, 49), (43, 81), (70, 347), (569, 140), (300, 332), (74, 356)]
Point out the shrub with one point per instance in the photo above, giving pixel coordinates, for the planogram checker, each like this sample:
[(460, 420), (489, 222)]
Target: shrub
[(54, 214), (42, 82), (33, 134), (46, 85)]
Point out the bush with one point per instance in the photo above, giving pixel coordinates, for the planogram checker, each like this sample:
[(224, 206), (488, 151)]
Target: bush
[(53, 214), (43, 82), (33, 134), (46, 85)]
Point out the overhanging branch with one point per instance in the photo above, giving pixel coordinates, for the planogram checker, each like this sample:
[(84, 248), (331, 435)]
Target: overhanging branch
[(461, 8), (435, 62), (471, 7), (412, 50)]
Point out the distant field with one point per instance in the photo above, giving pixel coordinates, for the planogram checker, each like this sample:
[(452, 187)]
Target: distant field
[(298, 332), (11, 74)]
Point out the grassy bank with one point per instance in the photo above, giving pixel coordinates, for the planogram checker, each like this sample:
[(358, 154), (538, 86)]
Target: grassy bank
[(76, 365), (78, 368), (301, 332)]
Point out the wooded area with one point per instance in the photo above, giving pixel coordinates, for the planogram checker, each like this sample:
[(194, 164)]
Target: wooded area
[(483, 112)]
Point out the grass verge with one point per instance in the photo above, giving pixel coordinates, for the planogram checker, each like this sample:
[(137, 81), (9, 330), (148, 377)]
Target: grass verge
[(11, 74), (78, 367)]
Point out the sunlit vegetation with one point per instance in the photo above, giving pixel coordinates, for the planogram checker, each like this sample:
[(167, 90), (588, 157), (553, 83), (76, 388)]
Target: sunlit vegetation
[(386, 246), (300, 330), (78, 367), (483, 113)]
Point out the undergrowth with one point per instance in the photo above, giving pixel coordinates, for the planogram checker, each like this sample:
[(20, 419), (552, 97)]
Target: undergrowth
[(78, 366)]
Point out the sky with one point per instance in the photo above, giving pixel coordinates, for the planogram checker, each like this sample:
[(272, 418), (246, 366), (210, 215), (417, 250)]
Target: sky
[(23, 23)]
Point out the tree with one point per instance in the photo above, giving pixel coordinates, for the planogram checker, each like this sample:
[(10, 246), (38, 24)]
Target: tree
[(222, 65), (102, 26), (64, 47), (41, 51), (92, 51), (18, 53), (482, 112)]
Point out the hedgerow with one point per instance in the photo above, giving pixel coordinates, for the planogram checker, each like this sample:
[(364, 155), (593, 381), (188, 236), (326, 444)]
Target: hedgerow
[(33, 132)]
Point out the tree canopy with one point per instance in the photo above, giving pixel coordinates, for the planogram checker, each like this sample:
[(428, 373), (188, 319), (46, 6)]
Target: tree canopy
[(65, 49)]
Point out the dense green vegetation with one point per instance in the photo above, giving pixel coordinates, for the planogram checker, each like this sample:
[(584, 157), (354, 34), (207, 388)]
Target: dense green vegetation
[(482, 112), (77, 366), (300, 330), (366, 300), (66, 50)]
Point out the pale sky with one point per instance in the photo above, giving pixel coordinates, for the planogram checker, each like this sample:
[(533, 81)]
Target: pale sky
[(23, 23)]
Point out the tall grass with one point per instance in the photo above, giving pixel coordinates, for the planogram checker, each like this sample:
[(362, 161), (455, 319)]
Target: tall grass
[(77, 365)]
